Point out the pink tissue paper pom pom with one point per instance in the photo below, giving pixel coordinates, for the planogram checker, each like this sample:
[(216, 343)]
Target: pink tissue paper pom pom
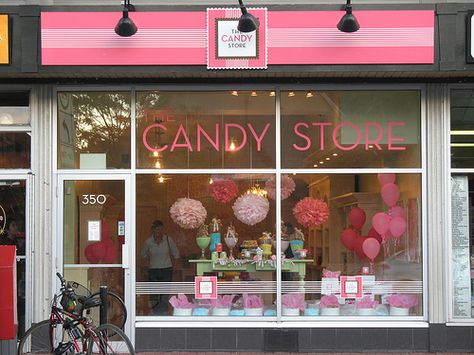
[(293, 300), (329, 301), (311, 212), (223, 190), (401, 300), (188, 213), (251, 209), (287, 186), (181, 302), (367, 302)]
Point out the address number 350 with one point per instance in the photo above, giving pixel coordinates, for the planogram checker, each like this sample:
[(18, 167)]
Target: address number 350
[(93, 199)]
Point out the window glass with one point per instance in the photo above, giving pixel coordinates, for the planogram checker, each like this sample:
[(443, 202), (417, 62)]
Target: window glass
[(93, 130), (14, 108), (15, 150), (93, 213), (462, 132), (173, 247), (207, 130), (363, 230), (350, 129)]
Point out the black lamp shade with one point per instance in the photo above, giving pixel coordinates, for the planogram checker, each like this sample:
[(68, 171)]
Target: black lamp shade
[(125, 27), (348, 23), (247, 22)]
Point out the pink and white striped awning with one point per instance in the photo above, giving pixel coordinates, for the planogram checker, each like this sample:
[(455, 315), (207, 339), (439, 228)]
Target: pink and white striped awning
[(294, 37)]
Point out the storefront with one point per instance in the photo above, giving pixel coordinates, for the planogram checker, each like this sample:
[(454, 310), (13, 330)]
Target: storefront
[(322, 205)]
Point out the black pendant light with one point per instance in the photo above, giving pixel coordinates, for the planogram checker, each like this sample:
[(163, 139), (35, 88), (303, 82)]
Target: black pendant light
[(348, 22), (125, 27), (247, 22)]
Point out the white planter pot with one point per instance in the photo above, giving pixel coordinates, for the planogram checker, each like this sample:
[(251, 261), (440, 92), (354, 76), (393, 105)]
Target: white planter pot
[(220, 311), (255, 312), (366, 311), (329, 311), (182, 312), (286, 311), (397, 311)]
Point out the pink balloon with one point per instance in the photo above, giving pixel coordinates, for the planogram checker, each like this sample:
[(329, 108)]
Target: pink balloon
[(358, 248), (396, 211), (357, 217), (371, 248), (111, 252), (373, 234), (90, 256), (348, 238), (390, 194), (381, 223), (398, 226), (386, 179)]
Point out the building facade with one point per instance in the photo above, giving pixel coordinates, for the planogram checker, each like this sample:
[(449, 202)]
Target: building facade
[(312, 185)]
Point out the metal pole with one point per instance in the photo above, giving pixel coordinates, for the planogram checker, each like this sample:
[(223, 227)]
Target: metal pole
[(103, 305)]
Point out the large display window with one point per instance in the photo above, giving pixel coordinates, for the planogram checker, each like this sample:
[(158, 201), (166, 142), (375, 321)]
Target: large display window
[(271, 205)]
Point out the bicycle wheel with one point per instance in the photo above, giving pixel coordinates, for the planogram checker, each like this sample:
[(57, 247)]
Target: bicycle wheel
[(116, 310), (109, 339), (42, 338)]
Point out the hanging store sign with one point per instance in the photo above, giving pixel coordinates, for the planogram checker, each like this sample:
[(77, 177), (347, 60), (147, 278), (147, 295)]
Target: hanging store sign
[(228, 48), (200, 38), (4, 40), (205, 287)]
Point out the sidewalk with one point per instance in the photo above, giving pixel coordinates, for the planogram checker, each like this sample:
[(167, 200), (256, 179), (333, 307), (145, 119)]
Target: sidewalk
[(280, 353)]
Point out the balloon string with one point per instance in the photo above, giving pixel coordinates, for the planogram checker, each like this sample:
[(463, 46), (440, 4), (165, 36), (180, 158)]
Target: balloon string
[(371, 267)]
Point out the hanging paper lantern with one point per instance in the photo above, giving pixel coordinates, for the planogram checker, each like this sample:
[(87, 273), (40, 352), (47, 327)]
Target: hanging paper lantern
[(223, 190), (251, 209), (287, 187), (188, 213), (311, 212)]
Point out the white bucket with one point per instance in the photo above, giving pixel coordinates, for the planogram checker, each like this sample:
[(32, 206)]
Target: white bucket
[(366, 311), (329, 311), (182, 312), (398, 311), (220, 311), (286, 311), (255, 312)]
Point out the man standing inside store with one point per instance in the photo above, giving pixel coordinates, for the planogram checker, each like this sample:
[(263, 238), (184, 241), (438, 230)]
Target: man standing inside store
[(159, 249)]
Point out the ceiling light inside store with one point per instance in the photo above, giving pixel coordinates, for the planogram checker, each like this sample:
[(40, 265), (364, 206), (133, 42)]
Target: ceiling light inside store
[(291, 94), (257, 190), (254, 94), (161, 179), (235, 93), (462, 133), (232, 145), (321, 162), (328, 158), (334, 154), (158, 164), (309, 95), (462, 145), (272, 93)]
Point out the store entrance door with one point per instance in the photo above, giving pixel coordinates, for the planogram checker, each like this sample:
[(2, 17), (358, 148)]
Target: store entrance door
[(15, 230), (95, 235)]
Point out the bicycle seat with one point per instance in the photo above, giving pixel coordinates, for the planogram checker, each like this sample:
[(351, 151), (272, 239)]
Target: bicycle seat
[(91, 302)]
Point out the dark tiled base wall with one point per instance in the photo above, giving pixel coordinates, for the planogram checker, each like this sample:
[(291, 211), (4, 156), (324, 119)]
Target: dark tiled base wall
[(436, 338)]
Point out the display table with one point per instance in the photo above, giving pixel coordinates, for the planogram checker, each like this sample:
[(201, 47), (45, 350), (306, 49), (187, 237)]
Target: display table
[(287, 265)]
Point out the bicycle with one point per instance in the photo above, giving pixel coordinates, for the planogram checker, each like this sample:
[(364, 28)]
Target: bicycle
[(68, 332), (116, 310)]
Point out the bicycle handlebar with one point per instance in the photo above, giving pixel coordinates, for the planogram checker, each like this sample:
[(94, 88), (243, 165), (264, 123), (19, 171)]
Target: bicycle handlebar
[(61, 278)]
